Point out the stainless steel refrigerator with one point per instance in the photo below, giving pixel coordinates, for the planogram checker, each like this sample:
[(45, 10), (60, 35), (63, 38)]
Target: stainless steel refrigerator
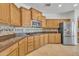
[(68, 33)]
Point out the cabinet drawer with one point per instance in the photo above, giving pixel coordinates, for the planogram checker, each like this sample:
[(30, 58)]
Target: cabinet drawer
[(30, 39), (31, 44)]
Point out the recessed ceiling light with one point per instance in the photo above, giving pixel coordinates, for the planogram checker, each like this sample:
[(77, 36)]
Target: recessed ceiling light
[(59, 5), (75, 5)]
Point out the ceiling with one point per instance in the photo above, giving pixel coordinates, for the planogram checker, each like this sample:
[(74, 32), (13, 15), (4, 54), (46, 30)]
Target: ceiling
[(53, 8)]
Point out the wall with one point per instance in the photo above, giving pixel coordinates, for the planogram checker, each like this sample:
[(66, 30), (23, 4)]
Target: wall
[(67, 15), (76, 16), (6, 29)]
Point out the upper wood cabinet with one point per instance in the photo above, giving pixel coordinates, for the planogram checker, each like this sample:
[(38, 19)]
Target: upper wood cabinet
[(53, 23), (25, 17), (43, 22), (9, 14), (5, 13), (15, 15), (35, 14)]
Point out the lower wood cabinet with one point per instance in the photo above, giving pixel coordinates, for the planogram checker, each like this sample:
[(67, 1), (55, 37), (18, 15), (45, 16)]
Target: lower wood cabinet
[(26, 46), (58, 38), (30, 44), (46, 38), (36, 41), (11, 51), (23, 47), (41, 39), (51, 38), (54, 38), (14, 53)]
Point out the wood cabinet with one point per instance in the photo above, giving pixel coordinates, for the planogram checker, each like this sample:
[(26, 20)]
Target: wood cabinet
[(5, 13), (53, 23), (54, 38), (58, 38), (43, 22), (51, 38), (26, 45), (25, 17), (14, 53), (46, 38), (22, 47), (35, 14), (41, 39), (30, 44), (9, 14), (36, 41), (11, 51), (15, 15)]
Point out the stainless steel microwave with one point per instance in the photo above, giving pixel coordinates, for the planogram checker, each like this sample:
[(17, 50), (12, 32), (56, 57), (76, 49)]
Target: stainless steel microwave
[(36, 23)]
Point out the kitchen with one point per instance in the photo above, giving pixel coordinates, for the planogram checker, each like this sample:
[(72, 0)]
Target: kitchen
[(26, 28)]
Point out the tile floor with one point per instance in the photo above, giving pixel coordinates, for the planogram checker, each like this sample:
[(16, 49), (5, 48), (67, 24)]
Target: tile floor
[(56, 50)]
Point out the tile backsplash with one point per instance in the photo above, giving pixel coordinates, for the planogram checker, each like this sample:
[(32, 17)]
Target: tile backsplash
[(7, 29)]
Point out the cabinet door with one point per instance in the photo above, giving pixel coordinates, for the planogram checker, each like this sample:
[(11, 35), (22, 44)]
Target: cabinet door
[(56, 23), (22, 47), (41, 39), (52, 23), (9, 50), (46, 39), (52, 38), (25, 17), (5, 13), (15, 15), (58, 38), (36, 42), (55, 38), (14, 53), (26, 45), (35, 14), (30, 44), (43, 22)]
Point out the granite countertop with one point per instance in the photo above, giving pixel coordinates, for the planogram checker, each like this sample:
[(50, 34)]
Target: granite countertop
[(7, 43)]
